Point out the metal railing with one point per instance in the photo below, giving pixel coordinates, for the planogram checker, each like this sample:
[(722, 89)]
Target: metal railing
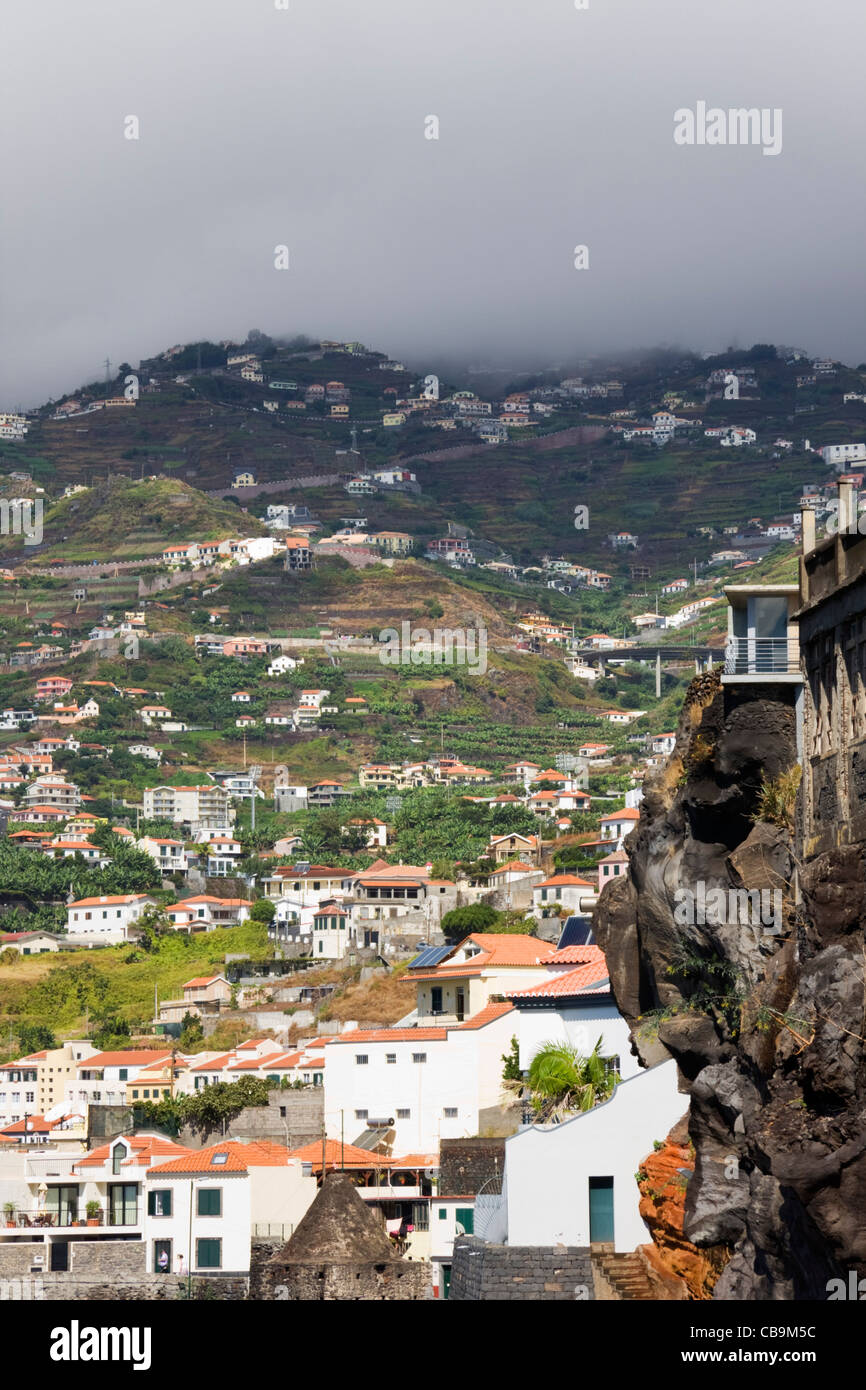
[(756, 655), (68, 1214)]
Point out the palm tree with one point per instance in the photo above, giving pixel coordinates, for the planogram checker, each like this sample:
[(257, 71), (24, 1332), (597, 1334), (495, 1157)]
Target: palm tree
[(560, 1081)]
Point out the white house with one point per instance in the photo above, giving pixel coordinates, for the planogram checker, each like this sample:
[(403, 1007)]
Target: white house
[(168, 854), (561, 892), (838, 454), (281, 664), (663, 743), (427, 1083), (107, 920), (204, 1207), (619, 824), (588, 1193), (333, 931)]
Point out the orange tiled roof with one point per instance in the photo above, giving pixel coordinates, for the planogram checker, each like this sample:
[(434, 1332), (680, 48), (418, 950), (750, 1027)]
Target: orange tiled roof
[(339, 1155), (260, 1153), (486, 1015), (131, 1058), (145, 1148), (590, 978)]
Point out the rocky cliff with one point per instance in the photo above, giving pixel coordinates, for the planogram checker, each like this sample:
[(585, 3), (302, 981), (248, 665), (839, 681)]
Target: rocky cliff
[(766, 1019)]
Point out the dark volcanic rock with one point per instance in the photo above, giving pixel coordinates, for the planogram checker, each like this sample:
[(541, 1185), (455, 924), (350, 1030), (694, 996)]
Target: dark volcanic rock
[(766, 1019)]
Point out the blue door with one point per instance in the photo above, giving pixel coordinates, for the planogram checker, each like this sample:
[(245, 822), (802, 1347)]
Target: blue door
[(601, 1210)]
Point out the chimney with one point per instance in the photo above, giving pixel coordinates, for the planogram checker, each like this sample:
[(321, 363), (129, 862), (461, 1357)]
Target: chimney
[(844, 513), (807, 526)]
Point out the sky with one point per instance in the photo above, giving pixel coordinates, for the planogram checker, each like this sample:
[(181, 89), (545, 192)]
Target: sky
[(308, 127)]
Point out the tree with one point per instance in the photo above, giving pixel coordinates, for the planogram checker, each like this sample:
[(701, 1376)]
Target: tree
[(191, 1032), (560, 1081), (262, 911), (35, 1037), (461, 922), (511, 1070)]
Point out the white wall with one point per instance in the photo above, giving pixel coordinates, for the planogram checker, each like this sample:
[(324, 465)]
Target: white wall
[(463, 1072), (548, 1169), (232, 1227), (580, 1026)]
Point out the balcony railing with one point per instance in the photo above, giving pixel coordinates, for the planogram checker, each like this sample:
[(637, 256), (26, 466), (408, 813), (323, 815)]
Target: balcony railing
[(67, 1215), (748, 656)]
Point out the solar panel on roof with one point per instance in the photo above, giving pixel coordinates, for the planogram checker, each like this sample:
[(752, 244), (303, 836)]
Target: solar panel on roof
[(430, 956), (576, 932)]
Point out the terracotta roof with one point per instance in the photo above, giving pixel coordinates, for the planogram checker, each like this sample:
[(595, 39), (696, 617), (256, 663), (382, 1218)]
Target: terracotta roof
[(261, 1153), (145, 1148), (574, 955), (628, 814), (112, 898), (515, 866), (201, 980), (339, 1155), (565, 881), (498, 948), (486, 1015), (358, 1035), (132, 1058), (590, 978)]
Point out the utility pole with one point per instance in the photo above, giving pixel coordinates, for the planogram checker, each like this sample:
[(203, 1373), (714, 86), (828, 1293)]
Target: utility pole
[(108, 369), (658, 675)]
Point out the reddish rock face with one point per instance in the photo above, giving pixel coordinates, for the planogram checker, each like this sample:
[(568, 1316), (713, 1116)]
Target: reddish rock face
[(665, 1177)]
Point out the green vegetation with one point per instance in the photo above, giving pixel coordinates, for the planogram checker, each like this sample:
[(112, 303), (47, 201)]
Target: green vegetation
[(561, 1082)]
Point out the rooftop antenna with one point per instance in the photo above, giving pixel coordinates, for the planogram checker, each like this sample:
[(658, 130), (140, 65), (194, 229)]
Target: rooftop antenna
[(108, 369)]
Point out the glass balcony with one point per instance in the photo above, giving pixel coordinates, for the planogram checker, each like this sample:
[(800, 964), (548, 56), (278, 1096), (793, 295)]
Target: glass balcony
[(751, 656)]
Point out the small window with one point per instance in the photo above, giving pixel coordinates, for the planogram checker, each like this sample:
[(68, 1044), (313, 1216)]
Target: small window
[(159, 1202), (404, 1114), (123, 1074), (443, 1213), (361, 1114), (450, 1112), (217, 1159), (208, 1254), (210, 1201), (361, 1059), (419, 1056), (118, 1154), (390, 1058)]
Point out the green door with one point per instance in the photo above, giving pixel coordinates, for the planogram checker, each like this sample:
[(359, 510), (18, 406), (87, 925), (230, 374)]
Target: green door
[(601, 1210), (446, 1280)]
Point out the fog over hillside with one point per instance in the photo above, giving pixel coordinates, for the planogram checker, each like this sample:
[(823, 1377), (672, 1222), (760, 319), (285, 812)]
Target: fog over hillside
[(312, 128)]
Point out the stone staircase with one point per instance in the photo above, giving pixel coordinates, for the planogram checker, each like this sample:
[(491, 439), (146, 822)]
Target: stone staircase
[(622, 1276)]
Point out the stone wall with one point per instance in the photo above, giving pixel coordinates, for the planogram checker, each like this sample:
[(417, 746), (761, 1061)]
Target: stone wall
[(392, 1281), (106, 1271), (465, 1165), (488, 1273), (300, 1124)]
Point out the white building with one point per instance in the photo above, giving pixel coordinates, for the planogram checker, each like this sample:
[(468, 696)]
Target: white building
[(619, 824), (204, 1207), (561, 893), (839, 454), (588, 1193), (427, 1083), (107, 920), (169, 855)]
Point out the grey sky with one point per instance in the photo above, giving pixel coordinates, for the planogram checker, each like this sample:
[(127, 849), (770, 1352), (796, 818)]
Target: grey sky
[(306, 127)]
